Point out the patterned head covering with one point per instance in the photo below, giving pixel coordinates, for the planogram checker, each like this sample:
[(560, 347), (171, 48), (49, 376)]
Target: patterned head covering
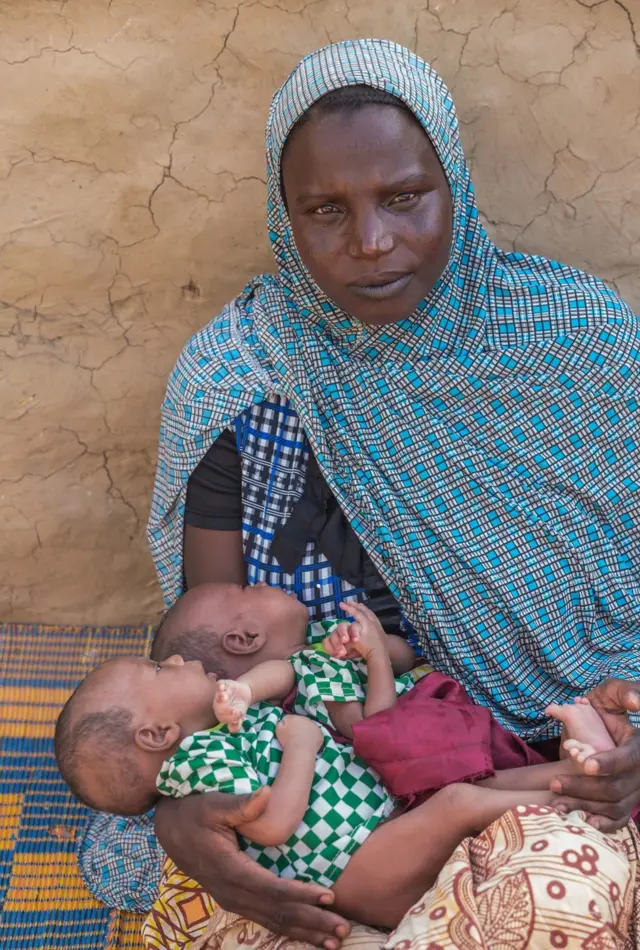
[(484, 449)]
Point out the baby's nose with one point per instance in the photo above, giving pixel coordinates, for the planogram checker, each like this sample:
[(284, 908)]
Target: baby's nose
[(175, 660)]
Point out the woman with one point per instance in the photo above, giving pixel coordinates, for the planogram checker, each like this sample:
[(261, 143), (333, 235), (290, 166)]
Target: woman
[(408, 414)]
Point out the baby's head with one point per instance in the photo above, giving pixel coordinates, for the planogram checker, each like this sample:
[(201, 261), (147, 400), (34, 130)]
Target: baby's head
[(120, 724), (131, 713), (231, 629)]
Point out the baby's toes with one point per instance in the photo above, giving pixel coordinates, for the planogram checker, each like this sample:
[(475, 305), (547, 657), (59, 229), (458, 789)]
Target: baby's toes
[(579, 751), (585, 752), (572, 746)]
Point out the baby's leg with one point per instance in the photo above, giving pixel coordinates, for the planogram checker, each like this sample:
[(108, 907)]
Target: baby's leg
[(402, 858), (528, 777), (583, 724)]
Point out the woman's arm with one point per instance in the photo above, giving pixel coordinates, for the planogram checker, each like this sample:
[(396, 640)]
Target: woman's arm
[(213, 557), (213, 517), (198, 834)]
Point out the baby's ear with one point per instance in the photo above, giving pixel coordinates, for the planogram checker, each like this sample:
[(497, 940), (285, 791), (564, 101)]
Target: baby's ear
[(241, 643), (154, 738)]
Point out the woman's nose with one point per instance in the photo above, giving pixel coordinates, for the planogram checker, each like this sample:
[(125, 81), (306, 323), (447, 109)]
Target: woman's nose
[(175, 660), (370, 236)]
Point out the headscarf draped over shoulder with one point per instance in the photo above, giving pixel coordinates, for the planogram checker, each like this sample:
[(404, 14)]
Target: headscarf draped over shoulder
[(485, 449)]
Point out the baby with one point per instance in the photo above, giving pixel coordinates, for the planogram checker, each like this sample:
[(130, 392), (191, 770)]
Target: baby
[(135, 727)]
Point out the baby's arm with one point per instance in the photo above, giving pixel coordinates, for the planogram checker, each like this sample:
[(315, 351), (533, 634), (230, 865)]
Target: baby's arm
[(272, 680), (301, 739), (401, 654), (366, 639)]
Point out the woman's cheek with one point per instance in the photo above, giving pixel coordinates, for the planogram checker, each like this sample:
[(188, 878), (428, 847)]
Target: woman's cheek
[(322, 257)]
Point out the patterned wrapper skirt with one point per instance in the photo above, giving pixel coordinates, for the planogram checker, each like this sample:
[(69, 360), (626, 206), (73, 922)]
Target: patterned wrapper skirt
[(534, 879)]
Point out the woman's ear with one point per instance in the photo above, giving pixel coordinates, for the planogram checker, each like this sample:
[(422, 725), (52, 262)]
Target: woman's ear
[(154, 738), (241, 643)]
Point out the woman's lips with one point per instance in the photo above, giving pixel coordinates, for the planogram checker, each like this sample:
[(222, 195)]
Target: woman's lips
[(383, 288)]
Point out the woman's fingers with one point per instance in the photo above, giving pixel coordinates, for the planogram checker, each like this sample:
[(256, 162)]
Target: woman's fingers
[(606, 816), (245, 808), (197, 833), (295, 908), (298, 920), (616, 696), (613, 700), (610, 776), (608, 789), (606, 825), (626, 758)]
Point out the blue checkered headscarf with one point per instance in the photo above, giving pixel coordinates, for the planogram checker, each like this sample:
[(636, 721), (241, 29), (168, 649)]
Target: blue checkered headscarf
[(484, 449)]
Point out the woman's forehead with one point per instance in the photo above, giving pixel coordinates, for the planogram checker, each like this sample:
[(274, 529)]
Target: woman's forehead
[(375, 142)]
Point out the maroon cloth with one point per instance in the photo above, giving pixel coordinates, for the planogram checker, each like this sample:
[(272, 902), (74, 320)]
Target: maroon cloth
[(434, 736)]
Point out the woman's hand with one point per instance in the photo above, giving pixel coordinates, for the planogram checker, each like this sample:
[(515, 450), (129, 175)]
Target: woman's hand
[(610, 789), (198, 835)]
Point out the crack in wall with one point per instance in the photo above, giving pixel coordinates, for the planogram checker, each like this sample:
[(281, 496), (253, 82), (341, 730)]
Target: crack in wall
[(135, 217)]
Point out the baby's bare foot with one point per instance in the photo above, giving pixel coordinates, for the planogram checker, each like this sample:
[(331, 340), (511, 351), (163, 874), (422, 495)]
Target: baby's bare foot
[(231, 702), (579, 751), (583, 724)]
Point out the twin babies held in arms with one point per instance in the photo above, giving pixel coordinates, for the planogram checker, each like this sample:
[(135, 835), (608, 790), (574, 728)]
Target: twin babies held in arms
[(243, 695)]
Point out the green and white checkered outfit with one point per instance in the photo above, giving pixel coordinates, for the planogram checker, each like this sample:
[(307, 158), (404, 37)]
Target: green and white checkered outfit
[(347, 799), (322, 679), (346, 803)]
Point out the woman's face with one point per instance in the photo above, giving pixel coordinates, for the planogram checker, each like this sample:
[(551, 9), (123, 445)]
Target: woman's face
[(370, 209)]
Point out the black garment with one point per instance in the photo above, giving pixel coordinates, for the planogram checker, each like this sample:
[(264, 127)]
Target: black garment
[(214, 501), (214, 489)]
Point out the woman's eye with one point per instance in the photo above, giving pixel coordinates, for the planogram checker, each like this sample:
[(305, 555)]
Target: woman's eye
[(158, 667), (326, 209), (404, 197)]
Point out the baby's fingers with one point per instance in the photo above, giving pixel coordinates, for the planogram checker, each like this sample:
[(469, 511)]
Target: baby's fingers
[(355, 632), (235, 723), (222, 694), (359, 611), (334, 646), (342, 632)]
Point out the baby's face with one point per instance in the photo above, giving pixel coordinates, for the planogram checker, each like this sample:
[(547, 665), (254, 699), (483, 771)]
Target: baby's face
[(171, 691)]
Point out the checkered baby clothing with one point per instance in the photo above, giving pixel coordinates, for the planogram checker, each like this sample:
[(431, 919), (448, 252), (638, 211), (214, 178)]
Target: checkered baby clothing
[(322, 679), (346, 803)]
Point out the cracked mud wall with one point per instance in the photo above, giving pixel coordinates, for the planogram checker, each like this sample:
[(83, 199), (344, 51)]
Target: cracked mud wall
[(132, 208)]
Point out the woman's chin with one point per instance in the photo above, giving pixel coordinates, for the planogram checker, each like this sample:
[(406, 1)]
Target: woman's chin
[(375, 313)]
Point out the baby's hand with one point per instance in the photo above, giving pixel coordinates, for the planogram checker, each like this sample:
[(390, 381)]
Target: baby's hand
[(232, 699), (365, 634), (296, 730), (339, 644)]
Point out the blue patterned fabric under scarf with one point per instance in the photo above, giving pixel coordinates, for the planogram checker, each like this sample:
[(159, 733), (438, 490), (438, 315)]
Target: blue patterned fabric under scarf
[(485, 450)]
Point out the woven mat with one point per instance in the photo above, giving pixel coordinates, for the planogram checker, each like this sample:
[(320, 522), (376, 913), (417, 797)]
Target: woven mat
[(44, 904)]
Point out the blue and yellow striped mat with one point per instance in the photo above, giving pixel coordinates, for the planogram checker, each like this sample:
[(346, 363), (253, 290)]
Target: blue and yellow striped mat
[(44, 904)]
